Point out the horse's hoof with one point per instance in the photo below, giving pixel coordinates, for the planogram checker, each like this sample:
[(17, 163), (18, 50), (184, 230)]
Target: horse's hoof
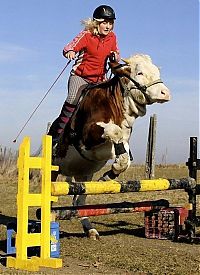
[(101, 179), (93, 234)]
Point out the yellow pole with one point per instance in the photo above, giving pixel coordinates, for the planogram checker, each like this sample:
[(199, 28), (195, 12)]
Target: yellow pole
[(22, 200)]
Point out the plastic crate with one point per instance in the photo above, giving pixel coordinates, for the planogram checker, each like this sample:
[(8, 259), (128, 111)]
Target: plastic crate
[(165, 224), (34, 227)]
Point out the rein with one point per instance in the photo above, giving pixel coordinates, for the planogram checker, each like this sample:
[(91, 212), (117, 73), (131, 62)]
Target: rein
[(142, 88)]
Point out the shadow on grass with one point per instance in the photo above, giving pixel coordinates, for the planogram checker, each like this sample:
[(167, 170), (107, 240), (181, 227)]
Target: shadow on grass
[(3, 246), (120, 227), (69, 235), (7, 219), (115, 229)]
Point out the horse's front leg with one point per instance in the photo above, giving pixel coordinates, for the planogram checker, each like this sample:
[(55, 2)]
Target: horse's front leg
[(120, 150), (79, 200), (121, 163)]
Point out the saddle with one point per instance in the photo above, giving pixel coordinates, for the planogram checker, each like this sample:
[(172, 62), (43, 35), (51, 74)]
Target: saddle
[(69, 135)]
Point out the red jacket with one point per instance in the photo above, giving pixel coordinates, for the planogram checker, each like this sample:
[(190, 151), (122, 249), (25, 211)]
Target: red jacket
[(93, 54)]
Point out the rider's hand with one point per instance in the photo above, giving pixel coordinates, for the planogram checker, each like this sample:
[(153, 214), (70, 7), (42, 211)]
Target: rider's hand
[(114, 57), (70, 55)]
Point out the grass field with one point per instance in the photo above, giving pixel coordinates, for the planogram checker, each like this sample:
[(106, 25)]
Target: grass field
[(122, 248)]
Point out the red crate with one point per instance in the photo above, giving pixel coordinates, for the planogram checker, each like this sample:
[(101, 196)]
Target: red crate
[(165, 224)]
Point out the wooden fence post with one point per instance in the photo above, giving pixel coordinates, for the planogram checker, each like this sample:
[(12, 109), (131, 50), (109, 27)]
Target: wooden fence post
[(151, 146)]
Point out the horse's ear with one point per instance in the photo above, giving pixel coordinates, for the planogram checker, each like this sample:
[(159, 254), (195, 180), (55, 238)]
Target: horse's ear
[(126, 60), (115, 67)]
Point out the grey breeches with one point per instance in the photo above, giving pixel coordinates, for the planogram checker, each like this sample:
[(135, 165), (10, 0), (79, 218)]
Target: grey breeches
[(74, 84)]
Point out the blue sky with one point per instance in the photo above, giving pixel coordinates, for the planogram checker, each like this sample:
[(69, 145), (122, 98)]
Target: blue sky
[(33, 34)]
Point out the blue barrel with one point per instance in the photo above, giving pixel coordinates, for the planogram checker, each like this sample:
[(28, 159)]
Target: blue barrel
[(55, 243)]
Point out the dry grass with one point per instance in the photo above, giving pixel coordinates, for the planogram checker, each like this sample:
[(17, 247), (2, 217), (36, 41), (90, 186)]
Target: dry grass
[(122, 248), (8, 160)]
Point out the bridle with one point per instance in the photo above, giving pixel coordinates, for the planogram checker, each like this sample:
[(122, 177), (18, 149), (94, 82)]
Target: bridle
[(142, 88)]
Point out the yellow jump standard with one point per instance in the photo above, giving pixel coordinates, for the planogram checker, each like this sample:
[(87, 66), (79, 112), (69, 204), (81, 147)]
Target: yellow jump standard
[(26, 200)]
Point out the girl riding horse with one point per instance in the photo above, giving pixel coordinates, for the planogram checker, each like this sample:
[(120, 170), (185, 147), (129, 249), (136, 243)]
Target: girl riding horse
[(90, 49)]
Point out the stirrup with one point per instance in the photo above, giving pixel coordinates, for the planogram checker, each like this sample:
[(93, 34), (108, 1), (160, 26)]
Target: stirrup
[(54, 150), (55, 146), (72, 135)]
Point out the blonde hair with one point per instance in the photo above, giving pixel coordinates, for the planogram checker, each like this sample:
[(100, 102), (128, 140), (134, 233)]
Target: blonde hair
[(91, 25)]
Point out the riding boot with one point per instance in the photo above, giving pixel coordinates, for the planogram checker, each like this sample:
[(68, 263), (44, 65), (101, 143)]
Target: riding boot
[(60, 123)]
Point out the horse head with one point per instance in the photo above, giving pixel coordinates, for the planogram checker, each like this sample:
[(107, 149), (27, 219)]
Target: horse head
[(140, 78)]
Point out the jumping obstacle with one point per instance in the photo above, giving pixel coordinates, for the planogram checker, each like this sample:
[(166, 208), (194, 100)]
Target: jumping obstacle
[(50, 189), (25, 200), (193, 164), (113, 186), (68, 212)]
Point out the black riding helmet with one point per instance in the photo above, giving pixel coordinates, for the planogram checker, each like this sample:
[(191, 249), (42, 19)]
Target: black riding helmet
[(104, 12)]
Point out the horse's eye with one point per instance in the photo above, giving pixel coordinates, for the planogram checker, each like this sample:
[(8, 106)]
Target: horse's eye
[(139, 73)]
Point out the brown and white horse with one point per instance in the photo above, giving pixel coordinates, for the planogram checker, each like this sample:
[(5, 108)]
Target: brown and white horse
[(104, 119)]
